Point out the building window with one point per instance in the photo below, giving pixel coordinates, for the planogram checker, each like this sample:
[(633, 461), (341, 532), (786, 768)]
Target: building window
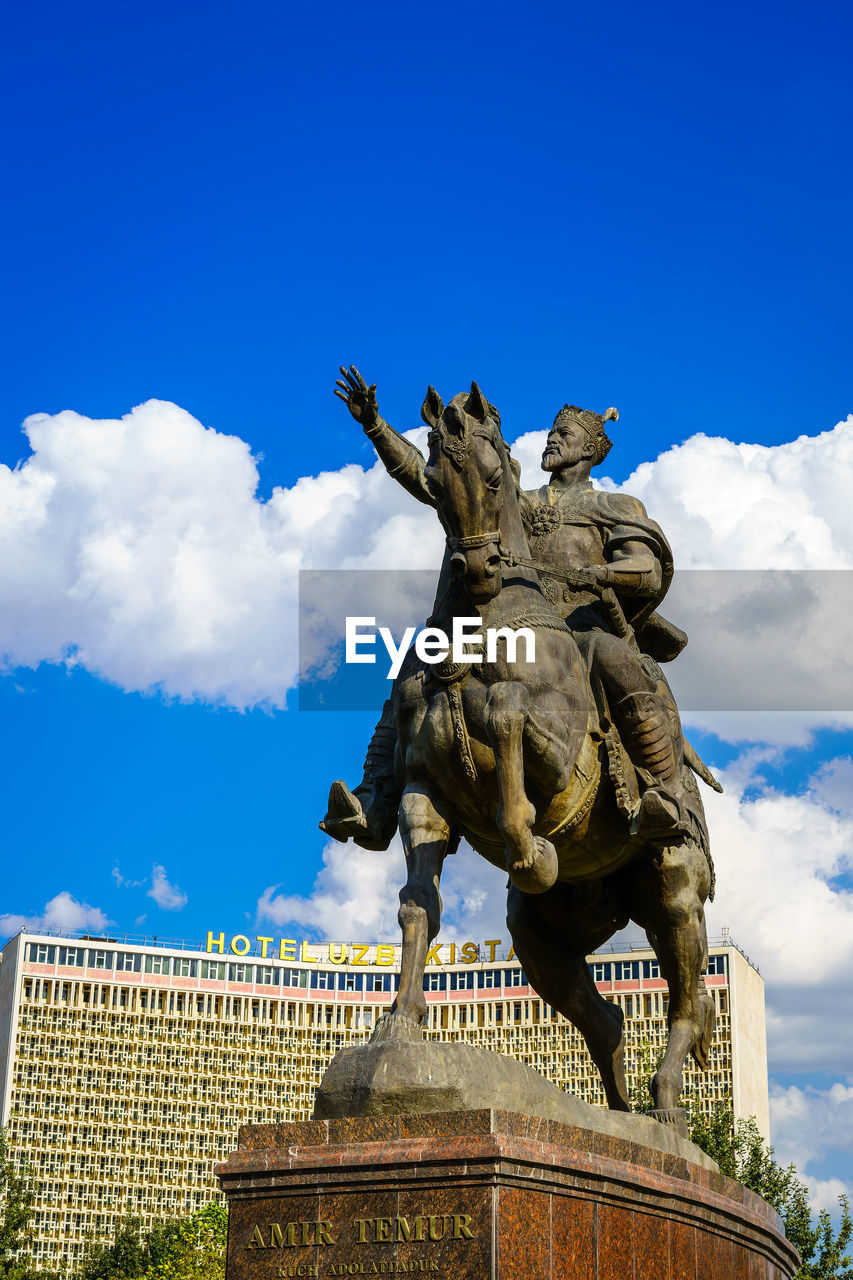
[(129, 961), (627, 970), (379, 982), (40, 953), (102, 959), (602, 972), (462, 981), (295, 978), (70, 956), (240, 972), (185, 968), (350, 982), (651, 969), (213, 969), (158, 964), (435, 982), (267, 975)]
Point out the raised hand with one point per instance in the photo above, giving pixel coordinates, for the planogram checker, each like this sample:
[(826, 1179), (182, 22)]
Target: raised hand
[(358, 397)]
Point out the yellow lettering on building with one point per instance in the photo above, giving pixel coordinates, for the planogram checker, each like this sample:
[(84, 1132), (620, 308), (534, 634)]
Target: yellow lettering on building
[(511, 955), (359, 949), (285, 948), (492, 944), (212, 942), (243, 948), (303, 954), (264, 942), (337, 958), (432, 956), (469, 953), (384, 953), (257, 1241)]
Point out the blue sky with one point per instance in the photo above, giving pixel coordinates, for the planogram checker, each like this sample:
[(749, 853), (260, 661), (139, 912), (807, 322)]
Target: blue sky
[(215, 205)]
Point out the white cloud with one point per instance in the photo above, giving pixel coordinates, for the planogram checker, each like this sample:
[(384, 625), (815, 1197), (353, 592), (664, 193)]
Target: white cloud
[(167, 896), (784, 865), (810, 1126), (354, 894), (138, 549), (62, 912)]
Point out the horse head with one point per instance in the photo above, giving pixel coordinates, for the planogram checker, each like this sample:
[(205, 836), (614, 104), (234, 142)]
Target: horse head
[(469, 473)]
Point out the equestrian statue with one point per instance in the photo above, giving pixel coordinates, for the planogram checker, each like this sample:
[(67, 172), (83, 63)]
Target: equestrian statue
[(568, 770)]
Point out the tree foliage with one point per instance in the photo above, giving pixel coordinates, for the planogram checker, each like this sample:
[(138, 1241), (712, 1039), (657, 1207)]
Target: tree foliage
[(17, 1198), (191, 1248), (740, 1151)]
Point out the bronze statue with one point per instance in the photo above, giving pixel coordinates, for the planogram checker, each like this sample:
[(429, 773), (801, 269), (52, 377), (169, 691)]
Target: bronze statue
[(571, 771)]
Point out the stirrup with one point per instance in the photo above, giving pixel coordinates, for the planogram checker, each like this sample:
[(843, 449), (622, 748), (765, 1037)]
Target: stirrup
[(348, 819), (344, 815), (660, 819)]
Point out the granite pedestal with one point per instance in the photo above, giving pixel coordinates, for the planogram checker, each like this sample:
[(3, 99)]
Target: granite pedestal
[(486, 1195)]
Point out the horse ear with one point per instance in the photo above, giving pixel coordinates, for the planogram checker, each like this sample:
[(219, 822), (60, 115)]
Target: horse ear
[(432, 407), (477, 405)]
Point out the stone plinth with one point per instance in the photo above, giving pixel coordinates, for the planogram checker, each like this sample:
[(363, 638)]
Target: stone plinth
[(486, 1195)]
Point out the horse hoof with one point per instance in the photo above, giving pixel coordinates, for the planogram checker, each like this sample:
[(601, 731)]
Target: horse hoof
[(673, 1117), (542, 872)]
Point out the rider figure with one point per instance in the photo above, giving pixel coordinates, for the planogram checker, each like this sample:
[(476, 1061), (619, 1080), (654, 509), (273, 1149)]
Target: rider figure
[(620, 566)]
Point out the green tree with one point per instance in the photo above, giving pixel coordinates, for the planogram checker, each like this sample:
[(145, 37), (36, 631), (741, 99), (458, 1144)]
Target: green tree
[(740, 1151), (17, 1198), (196, 1251), (191, 1248)]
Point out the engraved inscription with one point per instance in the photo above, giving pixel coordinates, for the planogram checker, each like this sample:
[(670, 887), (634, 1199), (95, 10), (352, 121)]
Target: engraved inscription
[(397, 1229)]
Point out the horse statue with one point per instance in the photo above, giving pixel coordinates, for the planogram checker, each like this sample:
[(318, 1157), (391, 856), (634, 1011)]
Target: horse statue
[(512, 753)]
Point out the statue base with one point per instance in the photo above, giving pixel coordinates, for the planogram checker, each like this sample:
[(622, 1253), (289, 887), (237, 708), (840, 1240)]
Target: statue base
[(486, 1195)]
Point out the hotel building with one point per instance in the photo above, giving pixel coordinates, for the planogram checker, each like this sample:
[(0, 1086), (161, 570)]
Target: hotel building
[(126, 1066)]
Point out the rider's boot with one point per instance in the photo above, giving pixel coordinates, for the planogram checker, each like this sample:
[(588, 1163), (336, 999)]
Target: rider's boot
[(368, 814), (661, 816)]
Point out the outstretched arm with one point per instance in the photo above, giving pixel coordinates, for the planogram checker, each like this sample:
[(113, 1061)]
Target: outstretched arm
[(402, 460)]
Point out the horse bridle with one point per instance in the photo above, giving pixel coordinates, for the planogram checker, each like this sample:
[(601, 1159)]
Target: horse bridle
[(475, 540)]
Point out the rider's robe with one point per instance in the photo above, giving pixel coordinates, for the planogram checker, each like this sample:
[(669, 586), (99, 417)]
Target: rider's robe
[(573, 529)]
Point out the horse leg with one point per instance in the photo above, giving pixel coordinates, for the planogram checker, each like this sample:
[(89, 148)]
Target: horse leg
[(426, 838), (531, 861), (554, 958), (671, 890)]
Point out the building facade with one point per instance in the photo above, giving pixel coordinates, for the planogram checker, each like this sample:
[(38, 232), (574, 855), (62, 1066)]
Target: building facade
[(126, 1066)]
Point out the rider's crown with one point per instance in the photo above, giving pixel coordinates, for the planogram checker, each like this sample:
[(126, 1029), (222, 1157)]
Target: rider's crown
[(592, 424)]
